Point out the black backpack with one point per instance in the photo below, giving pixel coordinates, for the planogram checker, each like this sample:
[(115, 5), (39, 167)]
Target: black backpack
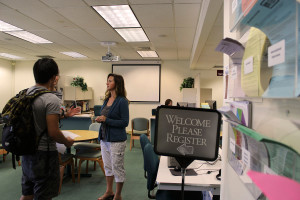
[(19, 136)]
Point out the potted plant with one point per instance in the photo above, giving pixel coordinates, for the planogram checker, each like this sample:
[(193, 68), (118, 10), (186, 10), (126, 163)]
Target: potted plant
[(79, 82), (187, 83)]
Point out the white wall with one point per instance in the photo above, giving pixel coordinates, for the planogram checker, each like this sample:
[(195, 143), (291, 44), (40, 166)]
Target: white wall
[(95, 74), (6, 82)]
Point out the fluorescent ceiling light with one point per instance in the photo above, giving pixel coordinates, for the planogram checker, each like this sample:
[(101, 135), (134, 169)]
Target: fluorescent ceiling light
[(6, 55), (133, 34), (74, 54), (8, 27), (25, 35), (148, 54), (120, 16)]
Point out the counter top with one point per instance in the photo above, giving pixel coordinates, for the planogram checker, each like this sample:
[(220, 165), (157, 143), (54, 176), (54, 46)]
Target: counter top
[(84, 115)]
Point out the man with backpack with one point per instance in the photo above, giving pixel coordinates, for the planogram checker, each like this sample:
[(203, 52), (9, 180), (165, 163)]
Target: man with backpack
[(40, 179)]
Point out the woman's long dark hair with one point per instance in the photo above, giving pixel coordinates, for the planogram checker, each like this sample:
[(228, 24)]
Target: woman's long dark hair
[(119, 85)]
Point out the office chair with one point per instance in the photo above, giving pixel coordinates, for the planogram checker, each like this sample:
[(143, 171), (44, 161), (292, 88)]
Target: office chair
[(64, 160), (92, 155), (87, 145), (139, 126), (144, 140), (97, 109), (152, 162)]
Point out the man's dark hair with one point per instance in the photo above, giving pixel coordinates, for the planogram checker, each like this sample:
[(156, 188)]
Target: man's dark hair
[(168, 101), (44, 69)]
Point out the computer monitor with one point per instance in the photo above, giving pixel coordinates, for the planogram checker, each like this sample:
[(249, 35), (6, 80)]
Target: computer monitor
[(191, 105), (182, 104), (212, 104), (154, 112)]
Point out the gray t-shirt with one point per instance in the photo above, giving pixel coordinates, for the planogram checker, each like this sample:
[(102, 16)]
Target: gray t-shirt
[(43, 105)]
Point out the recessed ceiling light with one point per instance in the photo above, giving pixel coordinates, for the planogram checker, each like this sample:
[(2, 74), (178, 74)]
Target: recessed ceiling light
[(6, 55), (148, 54), (74, 54), (25, 35), (8, 27), (133, 34), (120, 16)]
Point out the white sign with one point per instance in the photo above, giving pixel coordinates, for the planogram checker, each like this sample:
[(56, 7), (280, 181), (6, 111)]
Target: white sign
[(246, 157), (232, 145), (248, 65), (276, 53), (234, 72)]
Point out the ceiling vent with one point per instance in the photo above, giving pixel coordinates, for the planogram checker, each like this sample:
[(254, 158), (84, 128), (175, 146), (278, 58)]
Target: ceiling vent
[(218, 67), (45, 56), (144, 49)]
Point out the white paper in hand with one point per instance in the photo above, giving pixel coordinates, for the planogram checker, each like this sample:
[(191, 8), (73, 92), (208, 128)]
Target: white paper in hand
[(70, 134), (61, 148)]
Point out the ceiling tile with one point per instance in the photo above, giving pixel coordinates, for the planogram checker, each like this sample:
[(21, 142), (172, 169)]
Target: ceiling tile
[(188, 1), (64, 3), (186, 15), (17, 4), (105, 2), (160, 34), (185, 37), (167, 53), (47, 16), (84, 17), (184, 54), (149, 2), (158, 15), (15, 18)]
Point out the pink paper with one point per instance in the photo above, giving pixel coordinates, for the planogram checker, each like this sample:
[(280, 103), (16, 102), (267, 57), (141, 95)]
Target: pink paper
[(276, 187)]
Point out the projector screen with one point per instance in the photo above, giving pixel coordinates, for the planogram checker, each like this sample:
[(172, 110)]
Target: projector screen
[(142, 82)]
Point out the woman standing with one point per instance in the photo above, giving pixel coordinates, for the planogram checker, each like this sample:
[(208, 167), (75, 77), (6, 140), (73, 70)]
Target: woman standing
[(112, 134)]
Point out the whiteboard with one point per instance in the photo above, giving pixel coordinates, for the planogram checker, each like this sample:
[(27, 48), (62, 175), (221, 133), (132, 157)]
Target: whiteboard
[(142, 82)]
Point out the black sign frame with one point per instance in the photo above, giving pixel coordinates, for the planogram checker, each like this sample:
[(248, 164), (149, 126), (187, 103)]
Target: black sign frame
[(201, 157)]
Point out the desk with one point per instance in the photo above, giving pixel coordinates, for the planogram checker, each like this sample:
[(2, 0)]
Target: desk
[(78, 122), (200, 182)]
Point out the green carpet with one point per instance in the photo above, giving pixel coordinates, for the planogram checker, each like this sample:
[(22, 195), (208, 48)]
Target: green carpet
[(89, 187)]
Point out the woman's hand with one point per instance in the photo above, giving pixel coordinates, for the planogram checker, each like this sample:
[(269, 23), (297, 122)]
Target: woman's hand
[(100, 119), (73, 111)]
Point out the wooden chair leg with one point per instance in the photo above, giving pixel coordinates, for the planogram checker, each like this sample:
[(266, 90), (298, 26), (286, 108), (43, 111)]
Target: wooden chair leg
[(76, 159), (100, 161), (94, 165), (130, 143), (72, 171), (79, 169), (87, 167)]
